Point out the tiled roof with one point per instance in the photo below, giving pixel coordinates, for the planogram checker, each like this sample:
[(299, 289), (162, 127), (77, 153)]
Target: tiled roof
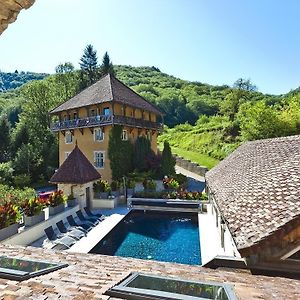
[(88, 276), (107, 89), (257, 188), (75, 169)]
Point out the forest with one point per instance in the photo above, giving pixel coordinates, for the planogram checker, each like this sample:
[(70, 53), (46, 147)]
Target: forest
[(203, 122)]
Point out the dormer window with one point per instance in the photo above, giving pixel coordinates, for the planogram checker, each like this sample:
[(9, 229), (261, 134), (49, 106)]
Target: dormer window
[(98, 135), (68, 137)]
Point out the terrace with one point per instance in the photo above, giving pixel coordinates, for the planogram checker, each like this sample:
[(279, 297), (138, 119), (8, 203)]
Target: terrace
[(101, 120)]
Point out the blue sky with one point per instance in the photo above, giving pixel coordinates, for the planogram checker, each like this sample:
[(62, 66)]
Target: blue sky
[(211, 41)]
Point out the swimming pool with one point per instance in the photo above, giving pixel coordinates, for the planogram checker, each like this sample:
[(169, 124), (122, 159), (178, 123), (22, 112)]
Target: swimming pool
[(153, 235)]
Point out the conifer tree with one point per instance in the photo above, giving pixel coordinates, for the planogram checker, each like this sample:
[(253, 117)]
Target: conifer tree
[(89, 66), (107, 66), (168, 161), (4, 139)]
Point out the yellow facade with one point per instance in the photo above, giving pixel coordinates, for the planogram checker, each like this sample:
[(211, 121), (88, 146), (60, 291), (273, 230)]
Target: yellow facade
[(85, 137)]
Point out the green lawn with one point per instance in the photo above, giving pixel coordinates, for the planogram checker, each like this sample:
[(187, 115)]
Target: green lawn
[(201, 159)]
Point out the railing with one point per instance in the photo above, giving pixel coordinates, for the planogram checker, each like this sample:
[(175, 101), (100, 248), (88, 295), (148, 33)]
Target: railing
[(81, 123), (139, 123), (104, 120)]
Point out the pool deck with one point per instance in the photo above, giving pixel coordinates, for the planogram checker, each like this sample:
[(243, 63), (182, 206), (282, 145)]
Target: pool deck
[(113, 217)]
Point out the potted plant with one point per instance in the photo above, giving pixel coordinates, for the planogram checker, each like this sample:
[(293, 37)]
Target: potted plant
[(102, 189), (71, 200), (115, 188), (57, 202), (9, 216), (130, 186), (33, 211), (149, 185)]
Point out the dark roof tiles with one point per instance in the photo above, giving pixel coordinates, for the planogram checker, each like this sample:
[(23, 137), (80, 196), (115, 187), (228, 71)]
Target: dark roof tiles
[(88, 276), (107, 89), (257, 188), (76, 169)]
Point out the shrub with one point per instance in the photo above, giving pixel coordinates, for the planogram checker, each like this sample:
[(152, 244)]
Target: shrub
[(149, 184), (22, 180), (6, 173), (32, 207), (71, 197), (131, 184), (114, 185), (56, 198), (101, 186), (9, 214)]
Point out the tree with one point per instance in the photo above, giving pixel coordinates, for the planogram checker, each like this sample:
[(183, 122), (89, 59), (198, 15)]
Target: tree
[(89, 66), (142, 149), (259, 121), (168, 161), (4, 139), (107, 66), (27, 161), (119, 153), (245, 85)]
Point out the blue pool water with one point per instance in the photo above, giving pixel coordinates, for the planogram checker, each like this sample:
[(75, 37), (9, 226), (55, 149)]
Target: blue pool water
[(170, 237)]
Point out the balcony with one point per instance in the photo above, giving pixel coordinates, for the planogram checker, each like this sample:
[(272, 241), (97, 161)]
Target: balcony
[(102, 120)]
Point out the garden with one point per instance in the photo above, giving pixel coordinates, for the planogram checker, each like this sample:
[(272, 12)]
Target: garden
[(23, 206)]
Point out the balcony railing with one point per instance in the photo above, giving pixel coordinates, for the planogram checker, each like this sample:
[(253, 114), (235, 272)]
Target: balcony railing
[(104, 120)]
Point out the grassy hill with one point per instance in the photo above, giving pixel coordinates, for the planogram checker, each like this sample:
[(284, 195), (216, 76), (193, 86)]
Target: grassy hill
[(204, 122)]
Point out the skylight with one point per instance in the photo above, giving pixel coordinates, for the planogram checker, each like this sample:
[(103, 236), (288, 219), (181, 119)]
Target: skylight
[(143, 286), (22, 269)]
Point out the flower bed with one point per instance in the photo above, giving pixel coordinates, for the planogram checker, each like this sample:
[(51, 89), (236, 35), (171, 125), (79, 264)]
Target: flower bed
[(181, 194)]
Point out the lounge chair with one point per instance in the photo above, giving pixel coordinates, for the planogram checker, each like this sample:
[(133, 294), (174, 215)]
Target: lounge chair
[(85, 226), (82, 218), (90, 214), (72, 232), (64, 240), (58, 247)]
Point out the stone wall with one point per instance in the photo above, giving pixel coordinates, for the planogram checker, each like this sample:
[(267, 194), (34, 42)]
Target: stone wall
[(190, 166), (9, 10)]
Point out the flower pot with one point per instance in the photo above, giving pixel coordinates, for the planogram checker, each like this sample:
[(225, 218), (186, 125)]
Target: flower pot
[(104, 195), (8, 231), (32, 220), (72, 203), (56, 209)]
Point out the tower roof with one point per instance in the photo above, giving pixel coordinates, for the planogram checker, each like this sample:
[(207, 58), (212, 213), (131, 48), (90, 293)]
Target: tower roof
[(76, 169), (107, 89)]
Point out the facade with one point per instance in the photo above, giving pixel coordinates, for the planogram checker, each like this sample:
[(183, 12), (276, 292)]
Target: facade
[(88, 118), (255, 201)]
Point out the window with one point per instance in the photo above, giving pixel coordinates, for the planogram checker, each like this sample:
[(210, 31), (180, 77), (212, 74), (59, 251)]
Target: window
[(106, 111), (92, 113), (143, 286), (68, 137), (67, 154), (22, 269), (98, 134), (75, 116), (124, 136), (99, 159)]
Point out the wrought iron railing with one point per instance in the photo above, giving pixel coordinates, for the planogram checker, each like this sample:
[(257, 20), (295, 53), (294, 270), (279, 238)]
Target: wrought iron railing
[(104, 120)]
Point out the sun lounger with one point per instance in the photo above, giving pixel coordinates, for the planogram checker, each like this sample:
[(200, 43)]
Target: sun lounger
[(82, 218), (85, 226), (90, 214), (72, 232), (59, 239)]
